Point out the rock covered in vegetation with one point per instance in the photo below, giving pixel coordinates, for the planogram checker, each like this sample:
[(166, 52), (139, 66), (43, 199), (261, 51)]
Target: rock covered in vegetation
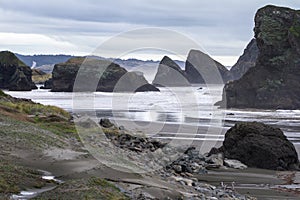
[(14, 74), (40, 77), (259, 145), (110, 77), (274, 81), (245, 61)]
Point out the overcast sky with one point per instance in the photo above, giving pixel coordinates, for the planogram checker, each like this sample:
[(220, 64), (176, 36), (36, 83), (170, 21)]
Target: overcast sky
[(221, 27)]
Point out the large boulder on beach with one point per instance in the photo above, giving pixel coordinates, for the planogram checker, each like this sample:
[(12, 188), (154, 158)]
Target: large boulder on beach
[(274, 81), (105, 75), (14, 74), (258, 145)]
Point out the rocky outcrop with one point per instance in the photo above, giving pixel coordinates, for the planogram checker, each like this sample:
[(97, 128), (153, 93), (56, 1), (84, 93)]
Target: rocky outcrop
[(259, 145), (201, 68), (14, 74), (274, 81), (113, 77), (47, 84), (169, 74), (246, 61)]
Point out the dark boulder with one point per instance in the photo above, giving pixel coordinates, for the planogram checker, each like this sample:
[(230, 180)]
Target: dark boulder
[(245, 61), (106, 123), (134, 82), (274, 81), (47, 84), (96, 75), (14, 74), (258, 145), (169, 74), (147, 87)]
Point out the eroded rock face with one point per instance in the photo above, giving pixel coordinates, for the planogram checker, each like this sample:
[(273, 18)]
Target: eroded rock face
[(274, 81), (169, 74), (259, 145), (200, 68), (211, 71), (14, 74), (113, 77), (246, 61)]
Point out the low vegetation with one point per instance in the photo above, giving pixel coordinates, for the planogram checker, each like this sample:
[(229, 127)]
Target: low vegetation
[(92, 188), (31, 127), (15, 178)]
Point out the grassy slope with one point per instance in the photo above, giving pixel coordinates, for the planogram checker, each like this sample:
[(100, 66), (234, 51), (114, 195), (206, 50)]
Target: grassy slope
[(25, 125), (92, 188)]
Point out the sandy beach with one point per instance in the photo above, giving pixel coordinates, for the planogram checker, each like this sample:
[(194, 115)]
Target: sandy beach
[(70, 164)]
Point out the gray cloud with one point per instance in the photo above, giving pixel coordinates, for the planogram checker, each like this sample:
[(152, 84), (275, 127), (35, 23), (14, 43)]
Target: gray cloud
[(222, 27)]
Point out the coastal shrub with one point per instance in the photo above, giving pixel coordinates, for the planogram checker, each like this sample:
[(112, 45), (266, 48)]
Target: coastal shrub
[(91, 188), (94, 181), (31, 108), (12, 178)]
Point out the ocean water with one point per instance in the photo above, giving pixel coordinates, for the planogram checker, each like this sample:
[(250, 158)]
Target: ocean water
[(177, 106)]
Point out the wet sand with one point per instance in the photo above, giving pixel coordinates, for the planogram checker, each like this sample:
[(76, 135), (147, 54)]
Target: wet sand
[(255, 182)]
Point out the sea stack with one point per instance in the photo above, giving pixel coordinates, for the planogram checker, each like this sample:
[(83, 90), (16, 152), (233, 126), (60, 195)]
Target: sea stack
[(14, 74), (169, 74), (245, 61), (96, 75), (274, 81), (202, 69)]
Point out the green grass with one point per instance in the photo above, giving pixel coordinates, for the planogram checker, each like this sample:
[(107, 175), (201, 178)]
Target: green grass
[(92, 188), (14, 178), (31, 108), (38, 118)]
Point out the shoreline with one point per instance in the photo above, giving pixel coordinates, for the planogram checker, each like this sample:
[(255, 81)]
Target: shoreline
[(74, 162)]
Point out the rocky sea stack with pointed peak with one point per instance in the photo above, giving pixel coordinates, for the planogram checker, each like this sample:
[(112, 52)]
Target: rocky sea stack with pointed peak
[(14, 74), (274, 81), (169, 74), (201, 68), (113, 77)]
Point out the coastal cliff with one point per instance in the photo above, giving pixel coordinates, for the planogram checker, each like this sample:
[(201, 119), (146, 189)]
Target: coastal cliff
[(274, 81), (246, 61), (14, 74)]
